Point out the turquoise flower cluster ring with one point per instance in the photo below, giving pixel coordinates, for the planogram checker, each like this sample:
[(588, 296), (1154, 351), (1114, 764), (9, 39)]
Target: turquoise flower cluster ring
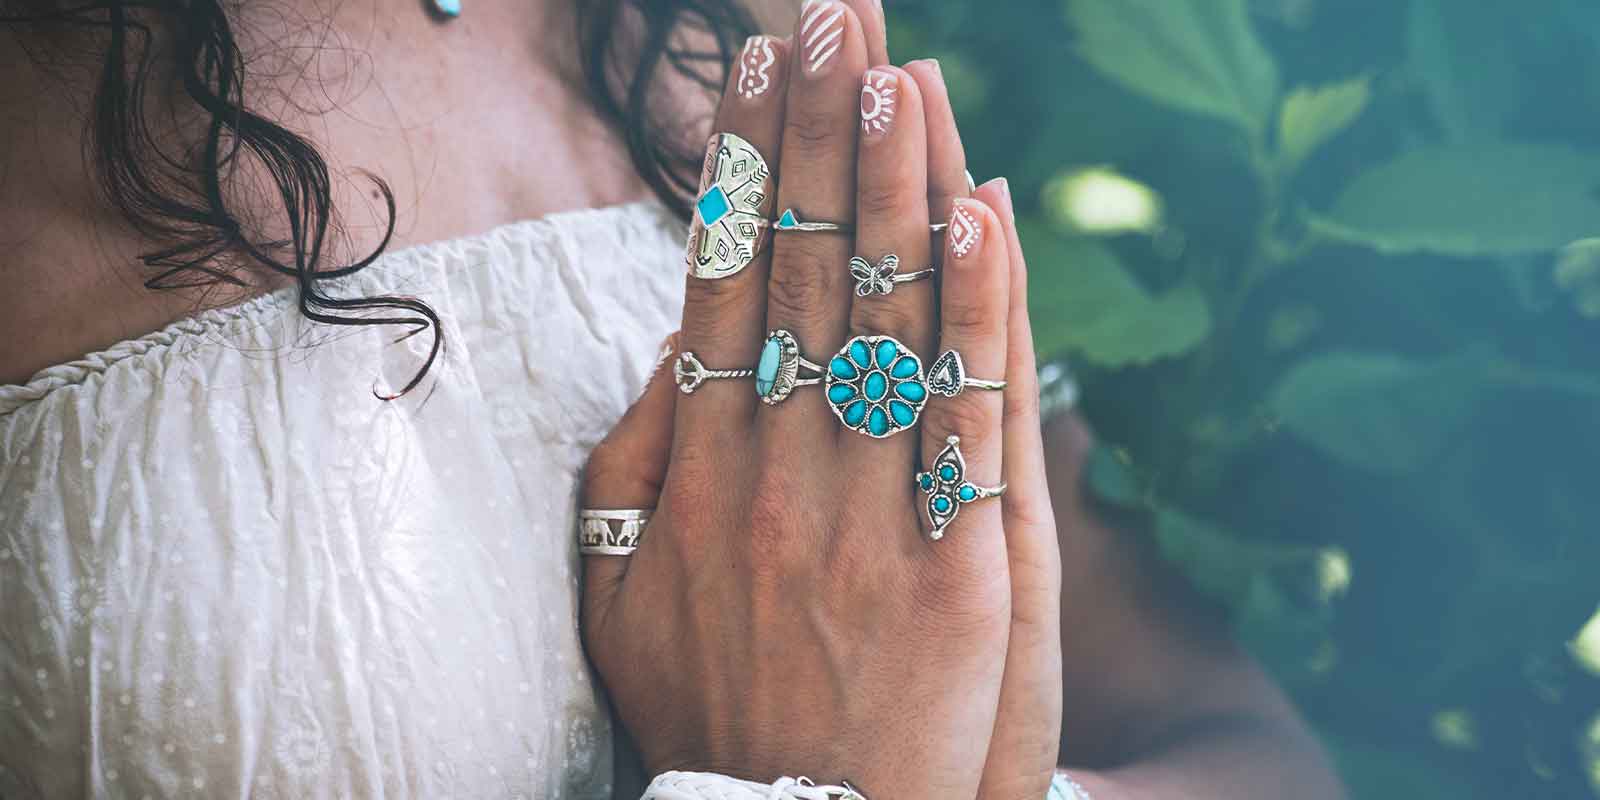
[(876, 386)]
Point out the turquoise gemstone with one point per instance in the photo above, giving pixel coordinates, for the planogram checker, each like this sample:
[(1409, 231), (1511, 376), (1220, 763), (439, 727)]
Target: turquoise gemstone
[(925, 481), (886, 353), (947, 472), (902, 413), (911, 390), (841, 393), (449, 8), (787, 221), (767, 367), (967, 493), (877, 386), (842, 368), (941, 504), (859, 354), (878, 422), (905, 368), (855, 413), (713, 206)]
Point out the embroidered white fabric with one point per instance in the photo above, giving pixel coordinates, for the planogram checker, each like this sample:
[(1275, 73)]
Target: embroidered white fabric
[(227, 570), (712, 786)]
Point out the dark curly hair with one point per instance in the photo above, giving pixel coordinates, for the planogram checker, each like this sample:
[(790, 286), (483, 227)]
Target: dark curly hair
[(627, 48)]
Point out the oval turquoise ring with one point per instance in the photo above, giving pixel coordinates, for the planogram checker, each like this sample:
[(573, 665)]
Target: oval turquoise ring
[(875, 386), (779, 372)]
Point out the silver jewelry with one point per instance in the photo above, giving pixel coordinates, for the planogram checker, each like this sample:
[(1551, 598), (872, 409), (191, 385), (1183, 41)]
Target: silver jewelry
[(948, 489), (1063, 787), (880, 279), (948, 376), (778, 373), (596, 538), (790, 221), (689, 373), (728, 221), (875, 386)]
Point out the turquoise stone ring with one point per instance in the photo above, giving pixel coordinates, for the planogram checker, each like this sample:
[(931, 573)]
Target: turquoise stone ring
[(875, 386), (779, 372), (730, 215), (948, 489)]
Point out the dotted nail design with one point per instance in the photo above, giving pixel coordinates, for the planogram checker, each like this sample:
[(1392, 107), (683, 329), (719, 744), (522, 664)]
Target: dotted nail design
[(964, 232), (878, 92), (821, 31), (755, 65)]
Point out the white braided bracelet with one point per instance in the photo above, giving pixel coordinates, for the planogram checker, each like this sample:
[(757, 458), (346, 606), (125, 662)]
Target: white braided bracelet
[(711, 786)]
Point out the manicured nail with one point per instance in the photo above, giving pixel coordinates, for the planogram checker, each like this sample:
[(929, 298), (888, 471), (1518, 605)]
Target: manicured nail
[(821, 32), (755, 67), (965, 233), (878, 90)]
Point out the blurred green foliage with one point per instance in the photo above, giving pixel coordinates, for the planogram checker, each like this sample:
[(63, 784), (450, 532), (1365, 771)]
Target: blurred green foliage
[(1328, 272)]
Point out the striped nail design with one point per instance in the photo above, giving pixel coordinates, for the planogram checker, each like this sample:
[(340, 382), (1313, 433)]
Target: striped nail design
[(821, 31)]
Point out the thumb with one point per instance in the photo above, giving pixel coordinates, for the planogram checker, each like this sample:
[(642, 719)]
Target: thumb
[(626, 470)]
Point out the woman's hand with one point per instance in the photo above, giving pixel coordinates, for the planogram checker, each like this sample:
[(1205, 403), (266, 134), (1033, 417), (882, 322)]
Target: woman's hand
[(785, 613)]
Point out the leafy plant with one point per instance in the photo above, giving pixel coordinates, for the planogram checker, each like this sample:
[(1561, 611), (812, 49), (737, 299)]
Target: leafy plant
[(1328, 273)]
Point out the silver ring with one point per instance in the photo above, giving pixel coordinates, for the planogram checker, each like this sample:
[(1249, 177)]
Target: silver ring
[(778, 373), (875, 386), (790, 220), (948, 489), (880, 279), (689, 373), (728, 222), (596, 537), (948, 376)]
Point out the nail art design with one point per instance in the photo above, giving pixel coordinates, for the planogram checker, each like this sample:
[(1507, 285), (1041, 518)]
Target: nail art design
[(964, 232), (878, 92), (754, 65), (821, 31)]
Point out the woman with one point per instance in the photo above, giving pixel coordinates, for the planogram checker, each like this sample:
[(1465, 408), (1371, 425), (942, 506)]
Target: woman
[(226, 569)]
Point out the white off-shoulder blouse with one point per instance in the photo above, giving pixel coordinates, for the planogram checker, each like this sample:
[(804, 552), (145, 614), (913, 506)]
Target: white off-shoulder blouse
[(226, 569)]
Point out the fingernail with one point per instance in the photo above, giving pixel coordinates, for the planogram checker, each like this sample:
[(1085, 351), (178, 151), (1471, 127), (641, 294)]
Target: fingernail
[(878, 98), (821, 33), (755, 67), (965, 233)]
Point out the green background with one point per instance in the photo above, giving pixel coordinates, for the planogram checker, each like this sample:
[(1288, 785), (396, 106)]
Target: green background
[(1321, 270)]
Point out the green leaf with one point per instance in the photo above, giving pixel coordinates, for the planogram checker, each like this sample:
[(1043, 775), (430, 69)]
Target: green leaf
[(1311, 117), (1111, 479), (1394, 414), (1238, 571), (1470, 200), (1200, 56), (1084, 302)]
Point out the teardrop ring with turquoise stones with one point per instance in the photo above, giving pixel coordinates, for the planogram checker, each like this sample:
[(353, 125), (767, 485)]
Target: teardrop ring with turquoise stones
[(948, 489)]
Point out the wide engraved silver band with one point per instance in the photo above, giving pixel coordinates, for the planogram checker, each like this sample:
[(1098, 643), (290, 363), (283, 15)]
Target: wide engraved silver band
[(596, 537)]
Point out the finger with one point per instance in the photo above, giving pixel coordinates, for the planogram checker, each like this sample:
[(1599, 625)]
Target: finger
[(1022, 752), (873, 29), (626, 470), (948, 178), (974, 300), (723, 319), (892, 240), (808, 293)]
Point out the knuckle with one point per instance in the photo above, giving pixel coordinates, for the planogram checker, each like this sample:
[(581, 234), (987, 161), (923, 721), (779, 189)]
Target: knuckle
[(884, 199), (708, 303), (965, 314), (971, 416), (886, 315), (810, 129), (800, 286)]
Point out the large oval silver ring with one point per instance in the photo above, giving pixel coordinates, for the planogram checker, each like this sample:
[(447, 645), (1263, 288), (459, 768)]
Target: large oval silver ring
[(730, 218), (782, 368)]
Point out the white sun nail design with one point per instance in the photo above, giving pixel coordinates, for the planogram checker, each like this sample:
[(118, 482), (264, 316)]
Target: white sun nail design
[(878, 92), (964, 232), (754, 66), (821, 31)]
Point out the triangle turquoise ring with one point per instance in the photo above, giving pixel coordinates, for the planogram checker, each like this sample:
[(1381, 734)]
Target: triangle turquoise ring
[(790, 220)]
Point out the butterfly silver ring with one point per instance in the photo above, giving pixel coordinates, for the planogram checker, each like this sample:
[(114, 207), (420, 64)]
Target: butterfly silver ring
[(880, 279)]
